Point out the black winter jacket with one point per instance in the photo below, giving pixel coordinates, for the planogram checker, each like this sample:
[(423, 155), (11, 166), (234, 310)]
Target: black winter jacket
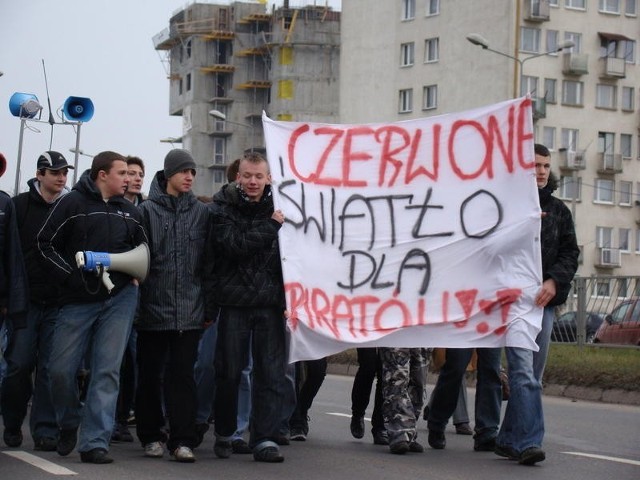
[(247, 256), (173, 295), (81, 221), (31, 212), (558, 242), (14, 289)]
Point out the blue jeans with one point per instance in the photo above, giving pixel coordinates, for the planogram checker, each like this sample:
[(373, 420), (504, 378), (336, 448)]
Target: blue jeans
[(263, 330), (28, 348), (543, 340), (488, 391), (523, 423), (101, 328)]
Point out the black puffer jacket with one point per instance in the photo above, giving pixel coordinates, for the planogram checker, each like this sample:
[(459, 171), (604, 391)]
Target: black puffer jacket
[(558, 241), (247, 256), (80, 221)]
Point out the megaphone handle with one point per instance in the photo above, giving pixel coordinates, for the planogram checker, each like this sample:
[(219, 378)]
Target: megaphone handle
[(106, 280)]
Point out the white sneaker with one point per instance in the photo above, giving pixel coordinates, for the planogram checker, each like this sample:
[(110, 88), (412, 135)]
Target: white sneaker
[(184, 455), (154, 450)]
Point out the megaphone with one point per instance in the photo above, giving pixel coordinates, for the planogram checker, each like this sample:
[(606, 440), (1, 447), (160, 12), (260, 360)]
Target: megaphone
[(24, 105), (134, 262), (78, 109)]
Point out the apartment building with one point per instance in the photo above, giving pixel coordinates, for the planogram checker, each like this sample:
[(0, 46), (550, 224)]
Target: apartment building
[(228, 63), (579, 61)]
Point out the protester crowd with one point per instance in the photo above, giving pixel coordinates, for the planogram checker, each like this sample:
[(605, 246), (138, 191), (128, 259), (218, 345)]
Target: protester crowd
[(202, 340)]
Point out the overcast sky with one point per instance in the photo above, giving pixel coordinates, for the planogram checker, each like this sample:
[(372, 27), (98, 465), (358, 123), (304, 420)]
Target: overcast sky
[(101, 49)]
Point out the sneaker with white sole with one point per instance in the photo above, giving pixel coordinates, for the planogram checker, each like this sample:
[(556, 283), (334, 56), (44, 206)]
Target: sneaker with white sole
[(183, 454), (154, 450)]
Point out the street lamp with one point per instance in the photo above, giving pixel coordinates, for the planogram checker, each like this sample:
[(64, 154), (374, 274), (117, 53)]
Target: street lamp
[(171, 140), (477, 39), (221, 116)]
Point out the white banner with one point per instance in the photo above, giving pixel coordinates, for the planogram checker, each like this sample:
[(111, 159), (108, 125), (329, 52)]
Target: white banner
[(419, 233)]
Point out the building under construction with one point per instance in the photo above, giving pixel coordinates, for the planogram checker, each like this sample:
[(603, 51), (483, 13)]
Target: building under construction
[(229, 63)]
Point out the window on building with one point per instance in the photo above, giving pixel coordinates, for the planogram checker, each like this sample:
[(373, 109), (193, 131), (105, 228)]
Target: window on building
[(405, 101), (624, 239), (218, 176), (638, 240), (219, 154), (552, 40), (187, 48), (576, 38), (407, 54), (606, 96), (568, 188), (628, 99), (603, 191), (549, 137), (609, 6), (431, 50), (629, 54), (529, 84), (625, 193), (553, 3), (550, 90), (631, 7), (604, 237), (569, 139), (188, 85), (626, 141), (581, 4), (606, 142), (408, 9), (572, 93), (529, 40), (433, 7), (430, 97), (180, 87)]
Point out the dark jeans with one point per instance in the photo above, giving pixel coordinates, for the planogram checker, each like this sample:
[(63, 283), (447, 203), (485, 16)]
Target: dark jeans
[(128, 371), (369, 368), (488, 391), (29, 350), (309, 377), (167, 356), (263, 330)]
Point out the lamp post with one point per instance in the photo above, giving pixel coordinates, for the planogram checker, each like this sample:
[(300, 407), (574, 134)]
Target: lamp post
[(477, 39), (77, 152), (171, 140), (221, 116)]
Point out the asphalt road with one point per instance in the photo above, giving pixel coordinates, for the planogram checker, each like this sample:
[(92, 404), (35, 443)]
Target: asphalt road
[(584, 440)]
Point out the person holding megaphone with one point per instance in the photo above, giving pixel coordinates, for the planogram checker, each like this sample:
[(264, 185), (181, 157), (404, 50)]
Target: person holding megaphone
[(96, 311)]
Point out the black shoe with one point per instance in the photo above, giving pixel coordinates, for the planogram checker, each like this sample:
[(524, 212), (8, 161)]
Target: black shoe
[(201, 429), (505, 451), (531, 455), (437, 440), (67, 441), (268, 455), (96, 455), (381, 438), (240, 447), (45, 444), (357, 426), (425, 414), (222, 449), (125, 434), (282, 439), (399, 448), (485, 445), (12, 437), (416, 447), (463, 429), (297, 434)]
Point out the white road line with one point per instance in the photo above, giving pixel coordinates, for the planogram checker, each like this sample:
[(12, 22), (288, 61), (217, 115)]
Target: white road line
[(336, 414), (40, 463), (604, 457)]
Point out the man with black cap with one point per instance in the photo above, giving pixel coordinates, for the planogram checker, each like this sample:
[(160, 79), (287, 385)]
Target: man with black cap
[(30, 347), (173, 310), (92, 318)]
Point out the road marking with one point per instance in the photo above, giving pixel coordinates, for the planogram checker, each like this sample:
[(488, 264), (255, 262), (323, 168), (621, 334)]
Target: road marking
[(604, 457), (336, 414), (40, 463)]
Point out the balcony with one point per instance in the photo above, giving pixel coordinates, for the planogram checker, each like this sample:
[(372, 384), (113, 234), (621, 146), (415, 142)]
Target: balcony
[(609, 163), (536, 10), (570, 160), (575, 64), (607, 257), (613, 67)]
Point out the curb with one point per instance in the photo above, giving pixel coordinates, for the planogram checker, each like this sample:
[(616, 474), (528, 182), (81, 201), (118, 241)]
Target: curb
[(615, 396)]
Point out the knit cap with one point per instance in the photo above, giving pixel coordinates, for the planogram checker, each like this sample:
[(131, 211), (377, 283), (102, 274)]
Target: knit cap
[(176, 161)]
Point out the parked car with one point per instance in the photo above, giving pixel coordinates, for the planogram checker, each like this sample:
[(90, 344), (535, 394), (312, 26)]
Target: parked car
[(565, 327), (622, 326)]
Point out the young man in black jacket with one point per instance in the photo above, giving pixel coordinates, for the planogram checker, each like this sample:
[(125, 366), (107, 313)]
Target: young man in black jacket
[(31, 346), (95, 216)]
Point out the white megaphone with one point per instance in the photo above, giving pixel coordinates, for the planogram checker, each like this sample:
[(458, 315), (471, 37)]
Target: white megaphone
[(134, 262)]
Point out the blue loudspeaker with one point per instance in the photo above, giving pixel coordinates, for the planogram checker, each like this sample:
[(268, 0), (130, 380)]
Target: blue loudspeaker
[(78, 109), (24, 105)]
